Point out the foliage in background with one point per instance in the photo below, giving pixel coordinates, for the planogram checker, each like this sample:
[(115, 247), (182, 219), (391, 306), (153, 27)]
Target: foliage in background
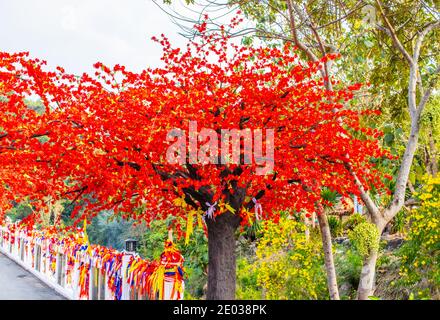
[(196, 263), (348, 264), (109, 233), (420, 255), (334, 222), (399, 223), (247, 280), (19, 211), (288, 265), (335, 225)]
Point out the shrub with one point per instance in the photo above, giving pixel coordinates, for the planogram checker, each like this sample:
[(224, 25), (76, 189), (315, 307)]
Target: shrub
[(399, 222), (247, 286), (353, 221), (348, 265), (335, 226), (420, 254), (365, 238), (288, 265)]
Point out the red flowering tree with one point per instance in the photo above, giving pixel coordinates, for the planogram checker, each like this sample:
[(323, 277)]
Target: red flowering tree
[(126, 141)]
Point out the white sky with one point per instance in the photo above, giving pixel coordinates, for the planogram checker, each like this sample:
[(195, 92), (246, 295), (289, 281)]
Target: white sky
[(75, 34)]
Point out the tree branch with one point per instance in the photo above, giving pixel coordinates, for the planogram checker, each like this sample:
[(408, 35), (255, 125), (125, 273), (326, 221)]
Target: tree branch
[(369, 203), (393, 35), (428, 92), (357, 6), (294, 32), (421, 36)]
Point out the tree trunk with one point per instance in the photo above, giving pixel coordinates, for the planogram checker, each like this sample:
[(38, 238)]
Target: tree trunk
[(221, 255), (368, 277), (433, 163), (367, 280), (332, 282), (381, 218)]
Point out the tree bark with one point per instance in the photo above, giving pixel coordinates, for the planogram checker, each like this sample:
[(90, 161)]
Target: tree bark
[(433, 162), (221, 255), (403, 175), (380, 219), (367, 279), (383, 217), (328, 256)]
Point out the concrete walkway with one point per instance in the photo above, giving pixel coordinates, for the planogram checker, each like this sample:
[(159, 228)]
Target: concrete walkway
[(18, 284)]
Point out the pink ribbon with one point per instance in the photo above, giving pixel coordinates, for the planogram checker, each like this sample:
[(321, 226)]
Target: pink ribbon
[(211, 209)]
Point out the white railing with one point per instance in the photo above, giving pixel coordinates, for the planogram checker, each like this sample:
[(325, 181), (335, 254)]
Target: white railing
[(84, 273)]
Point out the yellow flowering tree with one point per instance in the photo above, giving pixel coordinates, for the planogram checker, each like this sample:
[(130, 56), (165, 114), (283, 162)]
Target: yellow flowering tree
[(421, 253), (290, 266)]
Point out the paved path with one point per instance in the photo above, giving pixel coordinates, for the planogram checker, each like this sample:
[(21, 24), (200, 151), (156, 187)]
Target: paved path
[(18, 284)]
